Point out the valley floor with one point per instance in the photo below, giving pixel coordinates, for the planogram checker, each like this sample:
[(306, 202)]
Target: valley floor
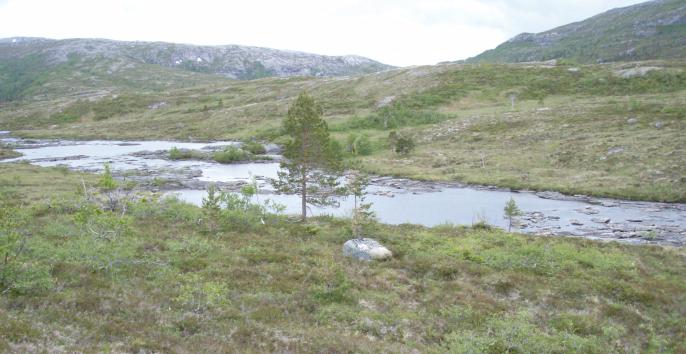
[(606, 147), (171, 277)]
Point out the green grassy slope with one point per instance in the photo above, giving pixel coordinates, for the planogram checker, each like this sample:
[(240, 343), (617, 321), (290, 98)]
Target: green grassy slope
[(651, 30), (178, 280)]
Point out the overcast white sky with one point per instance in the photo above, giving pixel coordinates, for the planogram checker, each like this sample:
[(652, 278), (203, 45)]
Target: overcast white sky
[(397, 32)]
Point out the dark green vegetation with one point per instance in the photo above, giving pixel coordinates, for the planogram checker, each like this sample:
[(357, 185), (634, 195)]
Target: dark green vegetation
[(229, 154), (254, 148), (169, 277), (185, 154), (651, 30), (7, 152), (312, 164)]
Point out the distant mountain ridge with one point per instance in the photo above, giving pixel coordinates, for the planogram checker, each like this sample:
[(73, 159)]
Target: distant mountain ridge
[(651, 30), (232, 61), (36, 67)]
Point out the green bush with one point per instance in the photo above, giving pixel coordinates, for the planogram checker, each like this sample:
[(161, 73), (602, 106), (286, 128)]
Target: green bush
[(231, 154), (186, 154), (237, 211), (107, 181), (404, 145), (254, 148), (102, 224), (169, 208), (26, 277), (18, 274), (176, 154), (359, 145)]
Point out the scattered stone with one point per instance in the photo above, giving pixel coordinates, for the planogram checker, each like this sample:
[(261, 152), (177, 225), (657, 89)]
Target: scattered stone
[(601, 220), (365, 249), (636, 72), (157, 105), (644, 227), (634, 220), (659, 125), (272, 148), (609, 204), (550, 195), (615, 150), (385, 101), (575, 222), (632, 120), (64, 158), (628, 235), (588, 211)]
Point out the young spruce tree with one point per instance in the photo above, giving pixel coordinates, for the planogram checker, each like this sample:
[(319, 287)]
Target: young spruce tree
[(511, 211), (312, 163), (363, 215)]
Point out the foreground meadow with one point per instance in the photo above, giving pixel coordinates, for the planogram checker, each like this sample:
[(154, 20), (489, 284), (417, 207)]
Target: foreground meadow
[(164, 276)]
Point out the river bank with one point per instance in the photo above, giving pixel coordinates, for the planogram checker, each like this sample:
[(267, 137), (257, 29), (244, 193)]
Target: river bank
[(395, 200)]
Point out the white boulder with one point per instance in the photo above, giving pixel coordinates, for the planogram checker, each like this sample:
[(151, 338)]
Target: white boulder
[(366, 249)]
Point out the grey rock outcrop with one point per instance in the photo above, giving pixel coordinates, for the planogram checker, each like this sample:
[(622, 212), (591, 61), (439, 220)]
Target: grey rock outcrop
[(636, 72), (232, 61)]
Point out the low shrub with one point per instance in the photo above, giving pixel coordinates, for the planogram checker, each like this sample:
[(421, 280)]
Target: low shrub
[(254, 148), (17, 273), (186, 154), (359, 145), (231, 154), (404, 145)]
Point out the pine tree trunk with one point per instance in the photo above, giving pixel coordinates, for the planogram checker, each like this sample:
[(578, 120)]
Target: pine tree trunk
[(303, 195), (303, 170)]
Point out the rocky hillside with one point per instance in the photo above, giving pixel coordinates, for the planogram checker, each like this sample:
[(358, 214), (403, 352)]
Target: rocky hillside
[(25, 62), (651, 30)]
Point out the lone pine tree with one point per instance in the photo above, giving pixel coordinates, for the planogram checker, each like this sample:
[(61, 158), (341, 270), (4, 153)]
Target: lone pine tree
[(312, 164)]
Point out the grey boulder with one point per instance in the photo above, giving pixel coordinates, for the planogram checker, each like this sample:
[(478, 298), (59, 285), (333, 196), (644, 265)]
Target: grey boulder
[(365, 249)]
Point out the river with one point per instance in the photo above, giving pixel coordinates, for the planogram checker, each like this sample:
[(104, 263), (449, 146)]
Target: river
[(395, 201)]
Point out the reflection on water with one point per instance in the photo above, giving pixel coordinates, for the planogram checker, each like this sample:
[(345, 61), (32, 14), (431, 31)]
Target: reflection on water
[(468, 205)]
